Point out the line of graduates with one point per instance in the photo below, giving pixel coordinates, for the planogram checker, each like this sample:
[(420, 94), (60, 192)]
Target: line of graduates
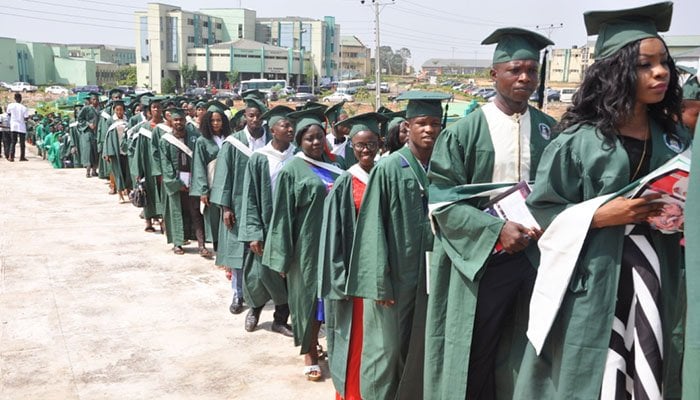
[(425, 295)]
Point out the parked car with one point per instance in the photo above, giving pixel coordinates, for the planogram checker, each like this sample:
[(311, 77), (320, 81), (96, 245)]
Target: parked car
[(128, 90), (195, 91), (485, 92), (23, 87), (286, 91), (87, 89), (60, 90), (552, 95), (384, 87), (302, 97), (140, 90), (227, 94), (5, 85), (566, 95), (337, 97)]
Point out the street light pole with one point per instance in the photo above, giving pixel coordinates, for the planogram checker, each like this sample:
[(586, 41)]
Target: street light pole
[(377, 58)]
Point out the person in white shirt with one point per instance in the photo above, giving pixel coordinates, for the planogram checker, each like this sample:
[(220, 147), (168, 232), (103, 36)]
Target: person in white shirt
[(18, 114)]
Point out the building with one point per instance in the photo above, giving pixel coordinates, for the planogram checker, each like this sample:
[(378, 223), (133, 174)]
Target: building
[(689, 58), (218, 41), (569, 64), (355, 59), (250, 60), (319, 37), (49, 63), (454, 66), (102, 53)]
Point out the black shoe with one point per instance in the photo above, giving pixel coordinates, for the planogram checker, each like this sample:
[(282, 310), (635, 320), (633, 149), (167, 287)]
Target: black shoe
[(23, 159), (236, 306), (284, 329), (251, 320), (94, 172)]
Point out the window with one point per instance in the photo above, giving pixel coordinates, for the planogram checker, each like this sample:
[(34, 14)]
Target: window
[(218, 26), (286, 34), (172, 39), (190, 21), (190, 39), (143, 38), (205, 24), (240, 31)]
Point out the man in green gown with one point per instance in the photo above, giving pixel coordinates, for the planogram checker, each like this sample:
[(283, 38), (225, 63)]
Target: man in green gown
[(227, 192), (691, 102), (478, 298), (183, 220), (387, 266), (104, 167), (261, 284), (88, 118)]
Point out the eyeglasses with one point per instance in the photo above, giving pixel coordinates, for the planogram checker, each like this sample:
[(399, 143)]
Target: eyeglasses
[(371, 146)]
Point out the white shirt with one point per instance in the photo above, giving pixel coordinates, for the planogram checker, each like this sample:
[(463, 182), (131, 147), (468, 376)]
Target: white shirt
[(510, 135), (18, 114), (253, 143), (338, 149)]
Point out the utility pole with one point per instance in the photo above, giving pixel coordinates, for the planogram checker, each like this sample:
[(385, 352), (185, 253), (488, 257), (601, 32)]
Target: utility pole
[(549, 29), (377, 58)]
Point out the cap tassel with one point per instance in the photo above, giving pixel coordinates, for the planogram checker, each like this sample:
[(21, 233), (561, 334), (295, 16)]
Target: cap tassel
[(543, 76), (444, 117)]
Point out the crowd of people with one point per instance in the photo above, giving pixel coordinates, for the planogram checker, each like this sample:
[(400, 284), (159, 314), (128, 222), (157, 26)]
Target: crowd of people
[(374, 223)]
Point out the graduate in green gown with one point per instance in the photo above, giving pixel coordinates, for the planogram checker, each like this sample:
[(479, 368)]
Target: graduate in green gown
[(214, 130), (478, 300), (344, 313), (396, 131), (104, 167), (691, 101), (260, 283), (292, 246), (227, 192), (88, 118), (145, 161), (691, 351), (114, 150), (337, 137), (618, 329), (183, 220), (387, 266)]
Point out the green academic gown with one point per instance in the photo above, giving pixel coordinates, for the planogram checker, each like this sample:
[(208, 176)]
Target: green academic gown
[(576, 167), (53, 149), (260, 283), (465, 238), (74, 135), (337, 233), (203, 172), (103, 167), (178, 224), (388, 263), (691, 355), (292, 245), (113, 146), (88, 137), (146, 165), (227, 191)]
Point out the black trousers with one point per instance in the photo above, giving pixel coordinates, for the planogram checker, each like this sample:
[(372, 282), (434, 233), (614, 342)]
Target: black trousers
[(504, 278), (21, 137), (190, 207), (6, 142), (280, 315)]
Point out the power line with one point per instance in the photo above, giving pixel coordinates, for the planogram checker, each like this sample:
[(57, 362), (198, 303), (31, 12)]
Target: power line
[(83, 8), (68, 15)]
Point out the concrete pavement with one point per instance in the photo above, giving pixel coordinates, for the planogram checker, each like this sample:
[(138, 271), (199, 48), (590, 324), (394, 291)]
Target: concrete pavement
[(92, 307)]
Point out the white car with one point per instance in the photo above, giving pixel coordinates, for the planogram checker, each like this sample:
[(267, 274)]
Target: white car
[(566, 95), (338, 97), (60, 90), (140, 90), (23, 87)]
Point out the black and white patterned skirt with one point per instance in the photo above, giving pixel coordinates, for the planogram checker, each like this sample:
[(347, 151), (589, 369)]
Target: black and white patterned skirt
[(633, 368)]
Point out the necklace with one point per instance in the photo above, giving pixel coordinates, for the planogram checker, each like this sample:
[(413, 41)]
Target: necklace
[(644, 153)]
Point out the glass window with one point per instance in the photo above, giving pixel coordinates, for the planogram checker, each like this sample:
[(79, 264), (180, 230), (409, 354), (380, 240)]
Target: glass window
[(286, 34), (171, 39), (306, 36), (143, 22)]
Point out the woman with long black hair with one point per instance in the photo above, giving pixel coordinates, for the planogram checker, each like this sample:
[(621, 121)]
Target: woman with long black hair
[(618, 330), (214, 129)]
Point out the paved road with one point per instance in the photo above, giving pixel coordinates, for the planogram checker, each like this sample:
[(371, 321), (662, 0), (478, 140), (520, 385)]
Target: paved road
[(92, 307)]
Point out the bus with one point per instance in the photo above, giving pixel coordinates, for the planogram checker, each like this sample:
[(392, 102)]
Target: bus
[(351, 86), (263, 85)]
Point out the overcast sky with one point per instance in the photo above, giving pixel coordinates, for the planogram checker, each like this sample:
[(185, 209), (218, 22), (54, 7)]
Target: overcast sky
[(430, 29)]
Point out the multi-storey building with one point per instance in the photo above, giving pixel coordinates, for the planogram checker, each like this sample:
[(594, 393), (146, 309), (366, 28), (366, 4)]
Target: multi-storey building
[(355, 59)]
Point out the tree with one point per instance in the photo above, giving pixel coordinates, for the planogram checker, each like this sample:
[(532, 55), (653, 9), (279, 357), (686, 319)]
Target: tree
[(188, 74), (168, 86), (232, 77), (126, 76), (393, 62)]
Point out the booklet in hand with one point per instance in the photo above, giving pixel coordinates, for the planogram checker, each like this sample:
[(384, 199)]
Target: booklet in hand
[(510, 206), (671, 181)]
